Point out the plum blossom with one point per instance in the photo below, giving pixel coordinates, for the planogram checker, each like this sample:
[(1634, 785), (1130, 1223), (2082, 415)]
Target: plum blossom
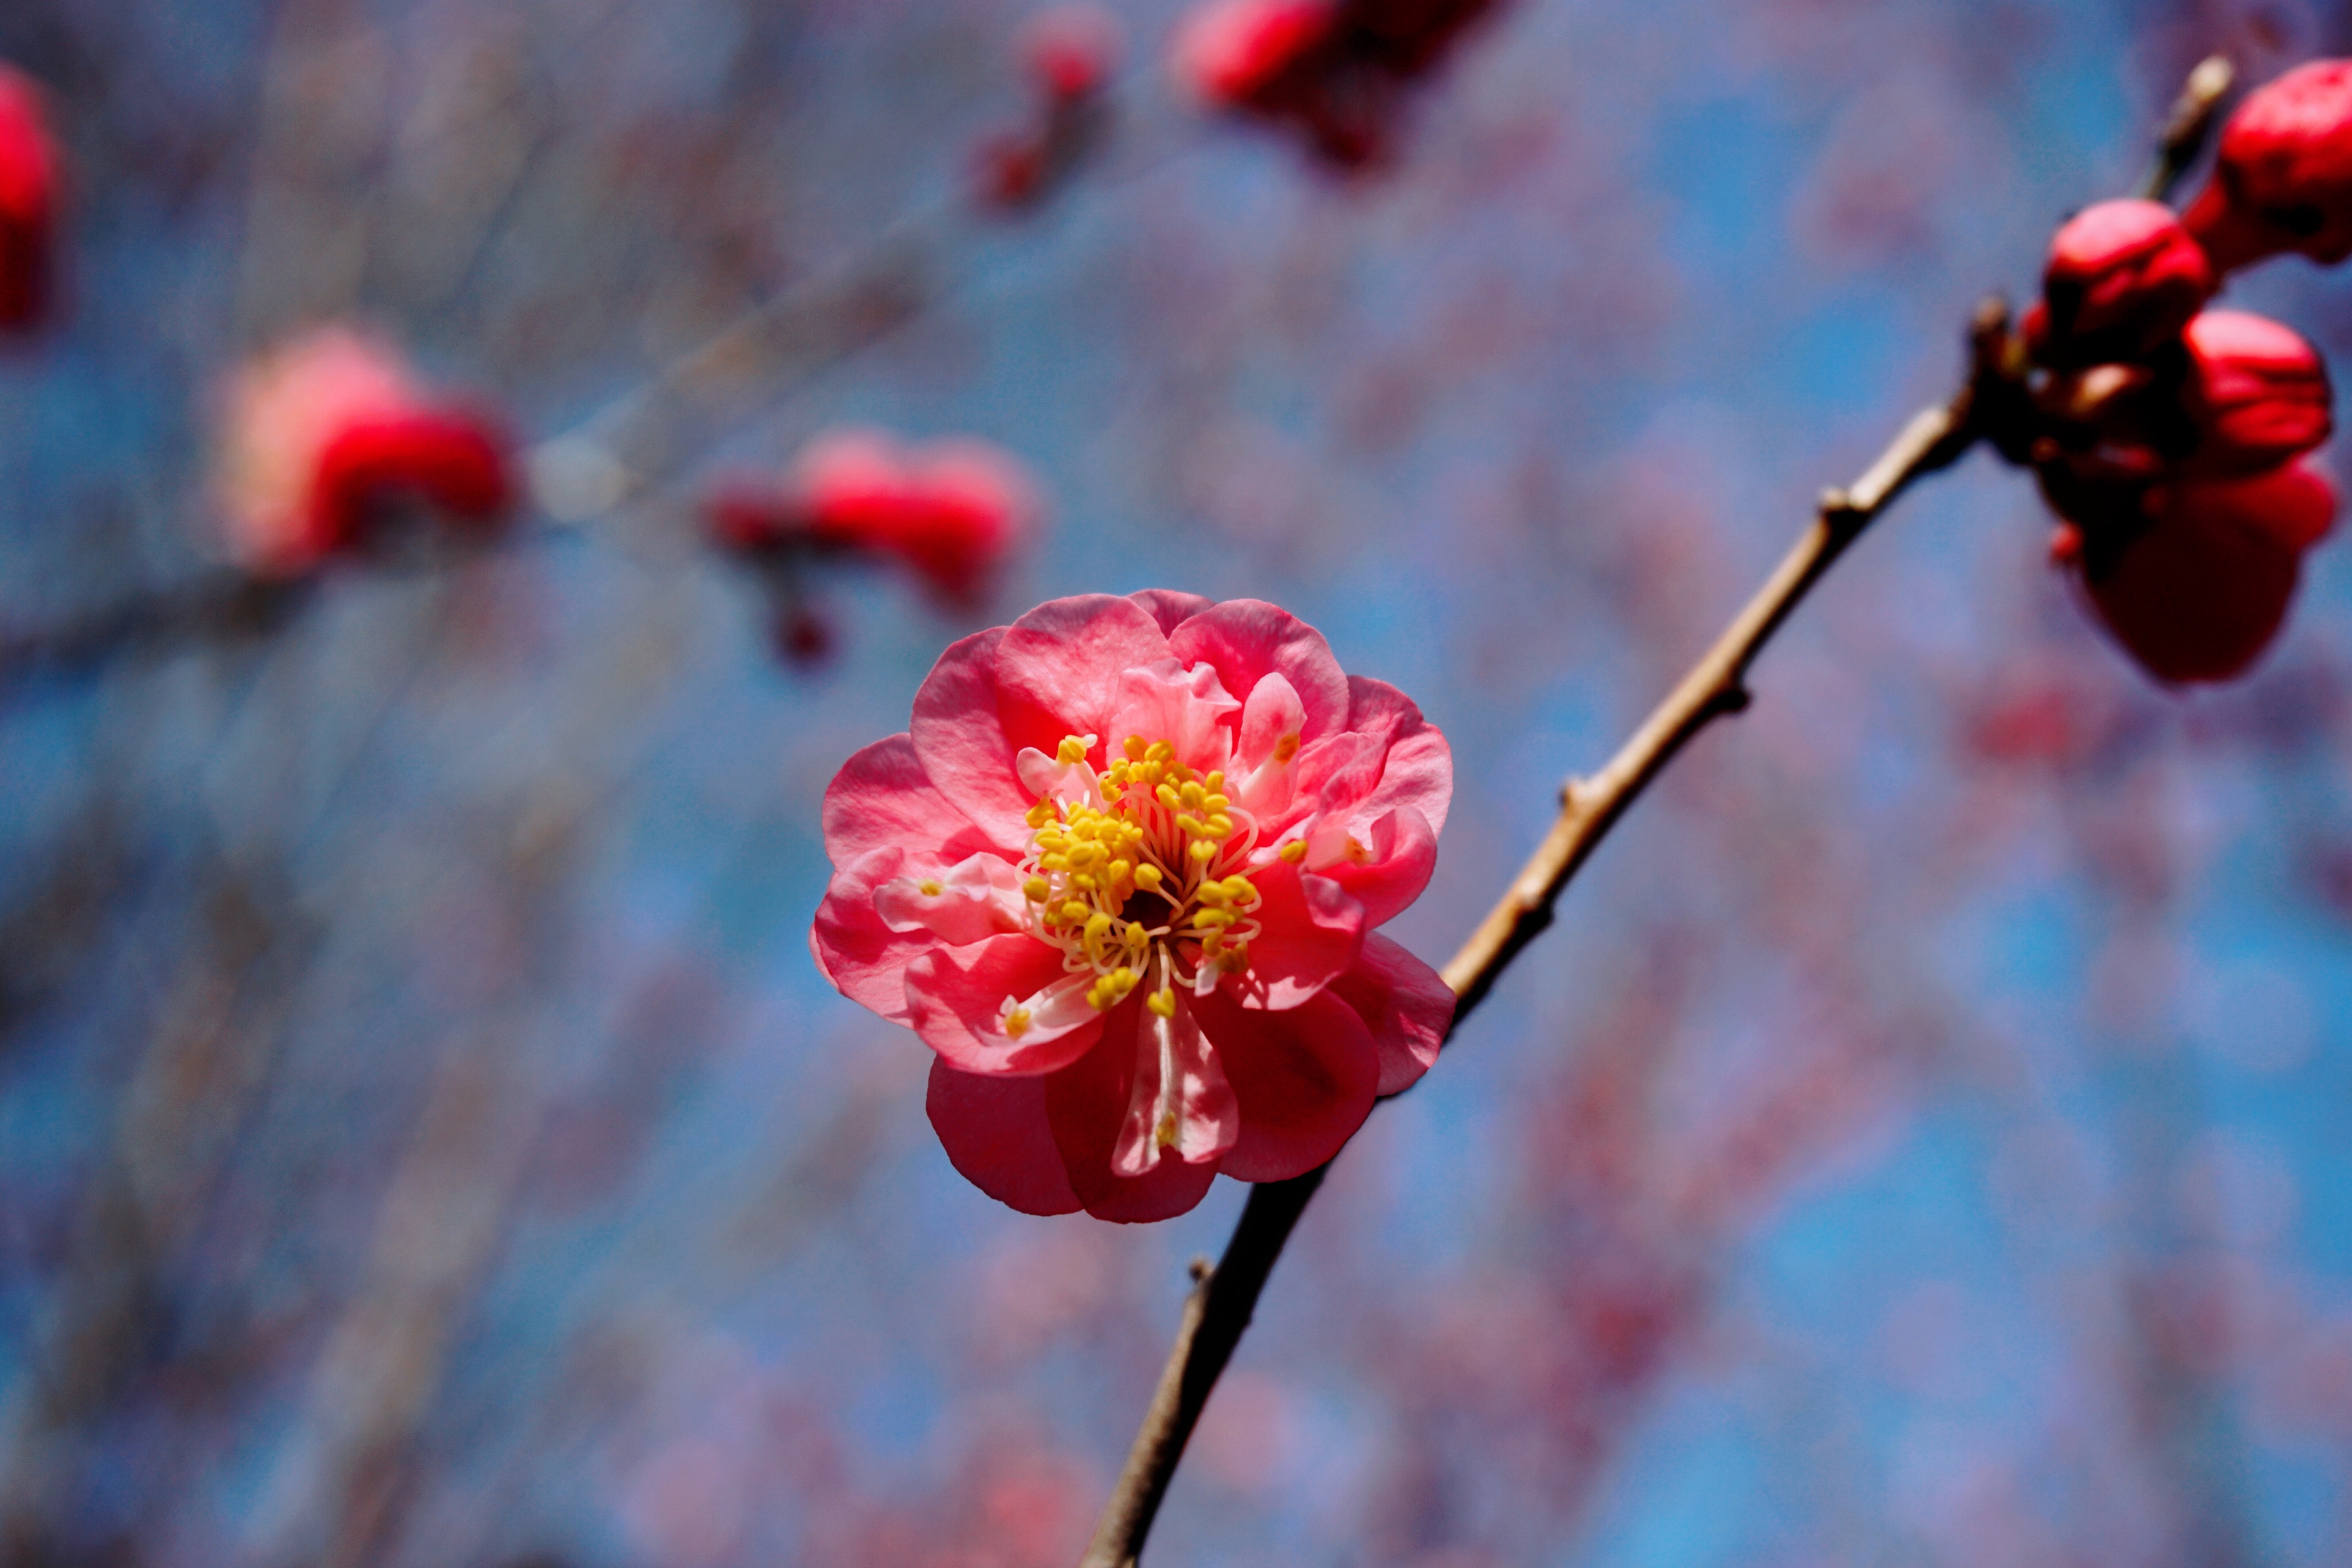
[(1121, 876), (327, 432), (28, 202)]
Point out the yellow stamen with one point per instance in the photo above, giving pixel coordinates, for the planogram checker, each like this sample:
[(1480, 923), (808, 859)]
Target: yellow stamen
[(1295, 851)]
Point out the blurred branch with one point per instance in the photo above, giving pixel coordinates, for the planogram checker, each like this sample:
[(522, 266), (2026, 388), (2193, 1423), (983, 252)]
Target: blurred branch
[(2190, 125), (1222, 1301), (220, 606)]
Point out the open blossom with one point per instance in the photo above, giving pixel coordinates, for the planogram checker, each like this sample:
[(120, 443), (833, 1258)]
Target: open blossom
[(952, 511), (2124, 278), (2282, 174), (327, 432), (28, 202), (1121, 876)]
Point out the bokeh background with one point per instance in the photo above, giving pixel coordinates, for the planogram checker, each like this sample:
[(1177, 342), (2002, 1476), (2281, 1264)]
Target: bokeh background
[(1925, 1138)]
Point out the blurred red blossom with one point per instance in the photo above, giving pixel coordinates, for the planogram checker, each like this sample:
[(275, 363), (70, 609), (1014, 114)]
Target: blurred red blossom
[(2283, 176), (29, 201), (1121, 876), (1069, 53), (1333, 68), (328, 433), (952, 511)]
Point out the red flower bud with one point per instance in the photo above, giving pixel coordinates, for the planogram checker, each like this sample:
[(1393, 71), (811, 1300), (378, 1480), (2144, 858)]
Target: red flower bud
[(2201, 590), (2282, 177), (2124, 278), (1071, 50), (28, 202), (2256, 393), (453, 462), (1237, 52)]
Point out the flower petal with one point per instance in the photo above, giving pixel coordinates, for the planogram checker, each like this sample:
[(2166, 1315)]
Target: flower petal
[(1384, 864), (956, 996), (1310, 931), (962, 745), (1246, 639), (977, 898), (1086, 1102), (1418, 771), (1179, 1104), (1305, 1079), (1171, 608), (1164, 700), (883, 796), (855, 948), (1405, 1004), (996, 1134), (1058, 667)]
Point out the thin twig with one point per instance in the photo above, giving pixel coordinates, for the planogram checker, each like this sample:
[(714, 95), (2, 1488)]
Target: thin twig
[(2190, 123), (1219, 1305)]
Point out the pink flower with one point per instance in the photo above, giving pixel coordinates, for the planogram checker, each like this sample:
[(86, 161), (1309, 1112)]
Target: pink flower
[(2203, 587), (1121, 876), (2282, 175), (953, 512), (29, 201), (327, 431), (2124, 278)]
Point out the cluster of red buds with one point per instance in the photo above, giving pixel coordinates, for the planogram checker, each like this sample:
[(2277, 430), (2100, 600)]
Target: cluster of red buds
[(331, 440), (1335, 69), (30, 177), (2171, 438), (949, 512), (1068, 55)]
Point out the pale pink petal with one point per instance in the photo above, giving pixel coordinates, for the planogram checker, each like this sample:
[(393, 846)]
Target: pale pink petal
[(1086, 1102), (1418, 771), (977, 898), (882, 796), (1405, 1004), (996, 1134), (1170, 608), (956, 996), (1305, 1079), (961, 742), (854, 948), (1247, 639), (1339, 774), (1274, 725), (1179, 1102), (1164, 700), (1312, 930), (1058, 668), (1046, 776), (1384, 864)]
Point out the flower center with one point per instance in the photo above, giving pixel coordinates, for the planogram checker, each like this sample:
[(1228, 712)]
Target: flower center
[(1135, 873)]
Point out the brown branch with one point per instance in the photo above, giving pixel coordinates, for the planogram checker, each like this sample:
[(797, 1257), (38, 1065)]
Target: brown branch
[(1989, 406), (2190, 123)]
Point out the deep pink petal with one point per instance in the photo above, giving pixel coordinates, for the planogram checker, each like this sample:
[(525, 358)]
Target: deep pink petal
[(882, 797), (1305, 1079), (862, 957), (1058, 668), (1206, 1118), (955, 996), (1312, 931), (1086, 1102), (1171, 608), (962, 743), (1384, 864), (1245, 638), (1420, 768), (996, 1133), (1405, 1004)]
